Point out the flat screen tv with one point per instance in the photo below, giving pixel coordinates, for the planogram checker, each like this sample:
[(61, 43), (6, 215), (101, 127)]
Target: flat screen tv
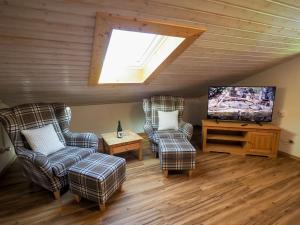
[(253, 104)]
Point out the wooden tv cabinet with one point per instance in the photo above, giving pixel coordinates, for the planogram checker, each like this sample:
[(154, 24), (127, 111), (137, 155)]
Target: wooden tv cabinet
[(234, 138)]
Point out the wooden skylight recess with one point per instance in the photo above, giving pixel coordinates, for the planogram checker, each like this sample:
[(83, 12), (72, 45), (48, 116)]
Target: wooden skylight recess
[(132, 51)]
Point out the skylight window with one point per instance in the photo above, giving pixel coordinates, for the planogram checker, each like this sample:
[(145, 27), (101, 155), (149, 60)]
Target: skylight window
[(127, 50), (131, 54)]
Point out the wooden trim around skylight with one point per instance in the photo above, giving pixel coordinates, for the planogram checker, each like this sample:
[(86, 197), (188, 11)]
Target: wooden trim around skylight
[(104, 25)]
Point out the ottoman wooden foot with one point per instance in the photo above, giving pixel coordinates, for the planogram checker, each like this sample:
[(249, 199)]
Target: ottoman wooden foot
[(102, 207), (120, 188), (56, 195), (77, 198), (165, 173), (190, 173)]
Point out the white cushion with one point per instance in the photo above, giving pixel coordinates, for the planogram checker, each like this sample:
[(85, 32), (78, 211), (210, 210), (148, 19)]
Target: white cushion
[(168, 120), (43, 140)]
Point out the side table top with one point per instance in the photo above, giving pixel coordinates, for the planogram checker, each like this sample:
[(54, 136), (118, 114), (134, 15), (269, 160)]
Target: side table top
[(128, 136)]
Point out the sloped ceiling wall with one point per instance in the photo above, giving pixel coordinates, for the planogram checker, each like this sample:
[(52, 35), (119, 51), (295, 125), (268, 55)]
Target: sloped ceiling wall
[(45, 46)]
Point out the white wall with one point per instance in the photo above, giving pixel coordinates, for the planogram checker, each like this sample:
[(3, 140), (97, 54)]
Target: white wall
[(104, 118), (195, 110), (286, 77), (7, 157)]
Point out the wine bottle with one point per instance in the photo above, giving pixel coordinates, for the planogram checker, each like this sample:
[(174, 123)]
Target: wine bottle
[(119, 130)]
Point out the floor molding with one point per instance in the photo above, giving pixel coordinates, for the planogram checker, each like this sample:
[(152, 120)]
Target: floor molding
[(288, 155)]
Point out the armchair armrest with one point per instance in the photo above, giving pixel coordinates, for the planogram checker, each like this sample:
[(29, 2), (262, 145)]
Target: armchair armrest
[(38, 169), (83, 140), (186, 128), (37, 159), (148, 128)]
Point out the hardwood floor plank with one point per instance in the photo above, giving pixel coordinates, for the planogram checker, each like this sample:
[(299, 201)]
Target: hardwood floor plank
[(224, 189)]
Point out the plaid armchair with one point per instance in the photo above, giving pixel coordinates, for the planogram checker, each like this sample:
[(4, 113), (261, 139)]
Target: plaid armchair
[(50, 171), (164, 103)]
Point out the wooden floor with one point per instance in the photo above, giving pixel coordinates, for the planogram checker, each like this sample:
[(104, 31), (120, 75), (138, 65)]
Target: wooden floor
[(224, 190)]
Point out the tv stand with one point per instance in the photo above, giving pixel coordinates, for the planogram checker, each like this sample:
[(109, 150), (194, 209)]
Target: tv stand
[(240, 139)]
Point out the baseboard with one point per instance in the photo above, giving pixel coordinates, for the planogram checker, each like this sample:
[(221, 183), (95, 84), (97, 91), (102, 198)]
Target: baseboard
[(289, 155), (8, 165)]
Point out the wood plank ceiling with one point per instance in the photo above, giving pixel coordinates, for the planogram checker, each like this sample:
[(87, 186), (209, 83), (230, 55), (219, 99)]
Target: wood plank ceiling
[(45, 46)]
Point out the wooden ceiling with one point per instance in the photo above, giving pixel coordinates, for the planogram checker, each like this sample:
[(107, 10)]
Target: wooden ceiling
[(46, 46)]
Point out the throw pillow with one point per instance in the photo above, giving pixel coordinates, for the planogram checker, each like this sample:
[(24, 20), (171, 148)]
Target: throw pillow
[(44, 140), (168, 120)]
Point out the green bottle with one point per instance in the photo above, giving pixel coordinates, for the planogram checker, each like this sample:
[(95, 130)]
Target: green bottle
[(119, 130)]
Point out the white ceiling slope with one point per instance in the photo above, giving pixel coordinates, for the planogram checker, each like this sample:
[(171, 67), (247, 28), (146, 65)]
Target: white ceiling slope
[(45, 46)]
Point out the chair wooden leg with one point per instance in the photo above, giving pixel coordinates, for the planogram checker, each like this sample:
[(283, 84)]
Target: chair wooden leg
[(190, 173), (165, 173), (77, 198), (102, 207), (56, 195)]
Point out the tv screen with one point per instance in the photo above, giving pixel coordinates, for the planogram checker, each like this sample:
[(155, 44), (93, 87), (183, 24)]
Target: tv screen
[(241, 103)]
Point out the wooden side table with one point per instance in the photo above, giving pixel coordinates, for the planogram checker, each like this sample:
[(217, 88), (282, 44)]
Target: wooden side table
[(129, 142)]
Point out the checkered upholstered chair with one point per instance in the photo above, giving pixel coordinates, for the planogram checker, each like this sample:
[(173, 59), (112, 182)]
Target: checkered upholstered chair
[(164, 103), (50, 171)]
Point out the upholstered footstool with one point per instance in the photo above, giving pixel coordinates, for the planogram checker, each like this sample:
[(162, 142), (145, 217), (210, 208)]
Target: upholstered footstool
[(97, 177), (176, 154)]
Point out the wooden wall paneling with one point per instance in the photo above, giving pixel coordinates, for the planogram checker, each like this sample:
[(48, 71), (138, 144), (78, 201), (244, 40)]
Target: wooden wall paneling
[(127, 7), (33, 34), (203, 16), (254, 12), (47, 16), (286, 9), (281, 43), (44, 40), (43, 26), (221, 50)]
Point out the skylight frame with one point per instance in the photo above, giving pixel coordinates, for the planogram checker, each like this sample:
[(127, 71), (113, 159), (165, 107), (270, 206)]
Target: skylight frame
[(104, 25)]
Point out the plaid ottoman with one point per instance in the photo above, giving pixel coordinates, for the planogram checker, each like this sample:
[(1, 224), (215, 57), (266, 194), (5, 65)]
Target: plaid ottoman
[(176, 154), (97, 177)]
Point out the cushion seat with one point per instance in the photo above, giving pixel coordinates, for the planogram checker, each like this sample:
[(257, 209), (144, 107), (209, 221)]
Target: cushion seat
[(173, 134), (66, 157)]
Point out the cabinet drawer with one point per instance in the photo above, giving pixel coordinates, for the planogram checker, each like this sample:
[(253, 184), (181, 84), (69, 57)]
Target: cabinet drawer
[(125, 148)]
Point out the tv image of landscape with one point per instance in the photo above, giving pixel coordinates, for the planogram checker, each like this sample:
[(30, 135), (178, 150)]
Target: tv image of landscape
[(241, 103)]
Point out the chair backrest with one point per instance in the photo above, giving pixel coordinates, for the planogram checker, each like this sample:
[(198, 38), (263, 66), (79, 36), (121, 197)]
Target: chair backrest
[(31, 116), (162, 103)]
